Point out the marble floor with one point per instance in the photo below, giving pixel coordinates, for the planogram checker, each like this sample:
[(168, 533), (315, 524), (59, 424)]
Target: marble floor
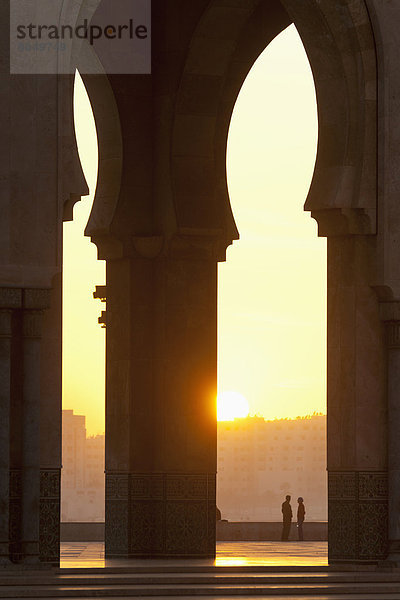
[(91, 554)]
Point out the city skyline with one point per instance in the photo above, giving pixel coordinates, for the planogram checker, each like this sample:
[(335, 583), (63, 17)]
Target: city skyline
[(258, 462)]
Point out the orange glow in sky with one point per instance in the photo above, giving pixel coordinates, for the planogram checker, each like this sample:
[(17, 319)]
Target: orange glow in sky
[(272, 288)]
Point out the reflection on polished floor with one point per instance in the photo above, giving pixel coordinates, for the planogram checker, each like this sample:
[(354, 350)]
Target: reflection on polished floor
[(91, 554), (241, 570)]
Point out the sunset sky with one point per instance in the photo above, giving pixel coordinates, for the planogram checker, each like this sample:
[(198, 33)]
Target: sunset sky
[(272, 289)]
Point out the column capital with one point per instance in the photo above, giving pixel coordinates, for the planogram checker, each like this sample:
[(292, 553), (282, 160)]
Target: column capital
[(344, 221)]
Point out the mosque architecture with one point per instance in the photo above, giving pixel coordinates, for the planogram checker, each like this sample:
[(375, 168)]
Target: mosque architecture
[(162, 221)]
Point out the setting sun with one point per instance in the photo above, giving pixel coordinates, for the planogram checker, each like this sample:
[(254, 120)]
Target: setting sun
[(231, 405)]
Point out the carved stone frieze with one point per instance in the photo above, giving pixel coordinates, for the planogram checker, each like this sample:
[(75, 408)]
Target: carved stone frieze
[(10, 297), (49, 515), (117, 485), (116, 514), (187, 527), (50, 483), (36, 299), (15, 512), (357, 518), (167, 514)]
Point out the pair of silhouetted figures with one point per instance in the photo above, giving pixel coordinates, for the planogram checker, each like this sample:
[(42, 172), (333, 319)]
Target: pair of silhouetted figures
[(287, 518)]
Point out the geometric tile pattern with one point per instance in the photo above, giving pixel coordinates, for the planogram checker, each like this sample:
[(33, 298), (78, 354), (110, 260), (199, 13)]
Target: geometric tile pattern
[(49, 515), (160, 514), (357, 516)]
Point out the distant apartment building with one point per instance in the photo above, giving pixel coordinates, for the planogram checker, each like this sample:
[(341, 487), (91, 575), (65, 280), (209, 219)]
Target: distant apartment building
[(259, 462), (82, 475)]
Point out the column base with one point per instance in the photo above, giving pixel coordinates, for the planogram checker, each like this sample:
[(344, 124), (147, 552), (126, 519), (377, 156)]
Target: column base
[(357, 517), (49, 516), (160, 515)]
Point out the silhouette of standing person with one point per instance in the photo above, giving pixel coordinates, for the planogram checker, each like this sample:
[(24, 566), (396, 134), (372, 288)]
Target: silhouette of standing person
[(287, 519), (301, 511)]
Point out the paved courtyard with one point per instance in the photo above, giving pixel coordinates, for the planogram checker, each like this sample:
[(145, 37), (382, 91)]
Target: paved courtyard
[(91, 554)]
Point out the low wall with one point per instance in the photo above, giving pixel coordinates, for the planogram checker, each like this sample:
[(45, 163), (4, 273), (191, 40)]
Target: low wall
[(227, 531), (82, 532), (230, 531)]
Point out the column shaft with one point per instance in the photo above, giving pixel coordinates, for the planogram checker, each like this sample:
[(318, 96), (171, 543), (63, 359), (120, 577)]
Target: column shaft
[(5, 398), (161, 413), (356, 403), (31, 435), (393, 339)]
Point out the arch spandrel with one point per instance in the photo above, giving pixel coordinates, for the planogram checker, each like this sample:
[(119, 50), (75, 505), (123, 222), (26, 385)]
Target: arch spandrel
[(110, 150), (108, 129), (340, 44), (73, 183)]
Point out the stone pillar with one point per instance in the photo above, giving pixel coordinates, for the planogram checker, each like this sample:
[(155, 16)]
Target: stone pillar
[(390, 312), (160, 404), (10, 305), (393, 338), (50, 427), (34, 302), (31, 330), (5, 400), (357, 427)]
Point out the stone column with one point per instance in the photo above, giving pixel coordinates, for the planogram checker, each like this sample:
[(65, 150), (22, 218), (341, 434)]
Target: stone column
[(391, 315), (5, 399), (31, 330), (356, 386), (160, 403), (34, 302)]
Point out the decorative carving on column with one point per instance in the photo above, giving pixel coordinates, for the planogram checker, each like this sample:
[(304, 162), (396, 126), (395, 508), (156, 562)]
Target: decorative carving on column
[(190, 501), (116, 516), (147, 507), (15, 514), (10, 298), (49, 515), (358, 516), (167, 514)]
